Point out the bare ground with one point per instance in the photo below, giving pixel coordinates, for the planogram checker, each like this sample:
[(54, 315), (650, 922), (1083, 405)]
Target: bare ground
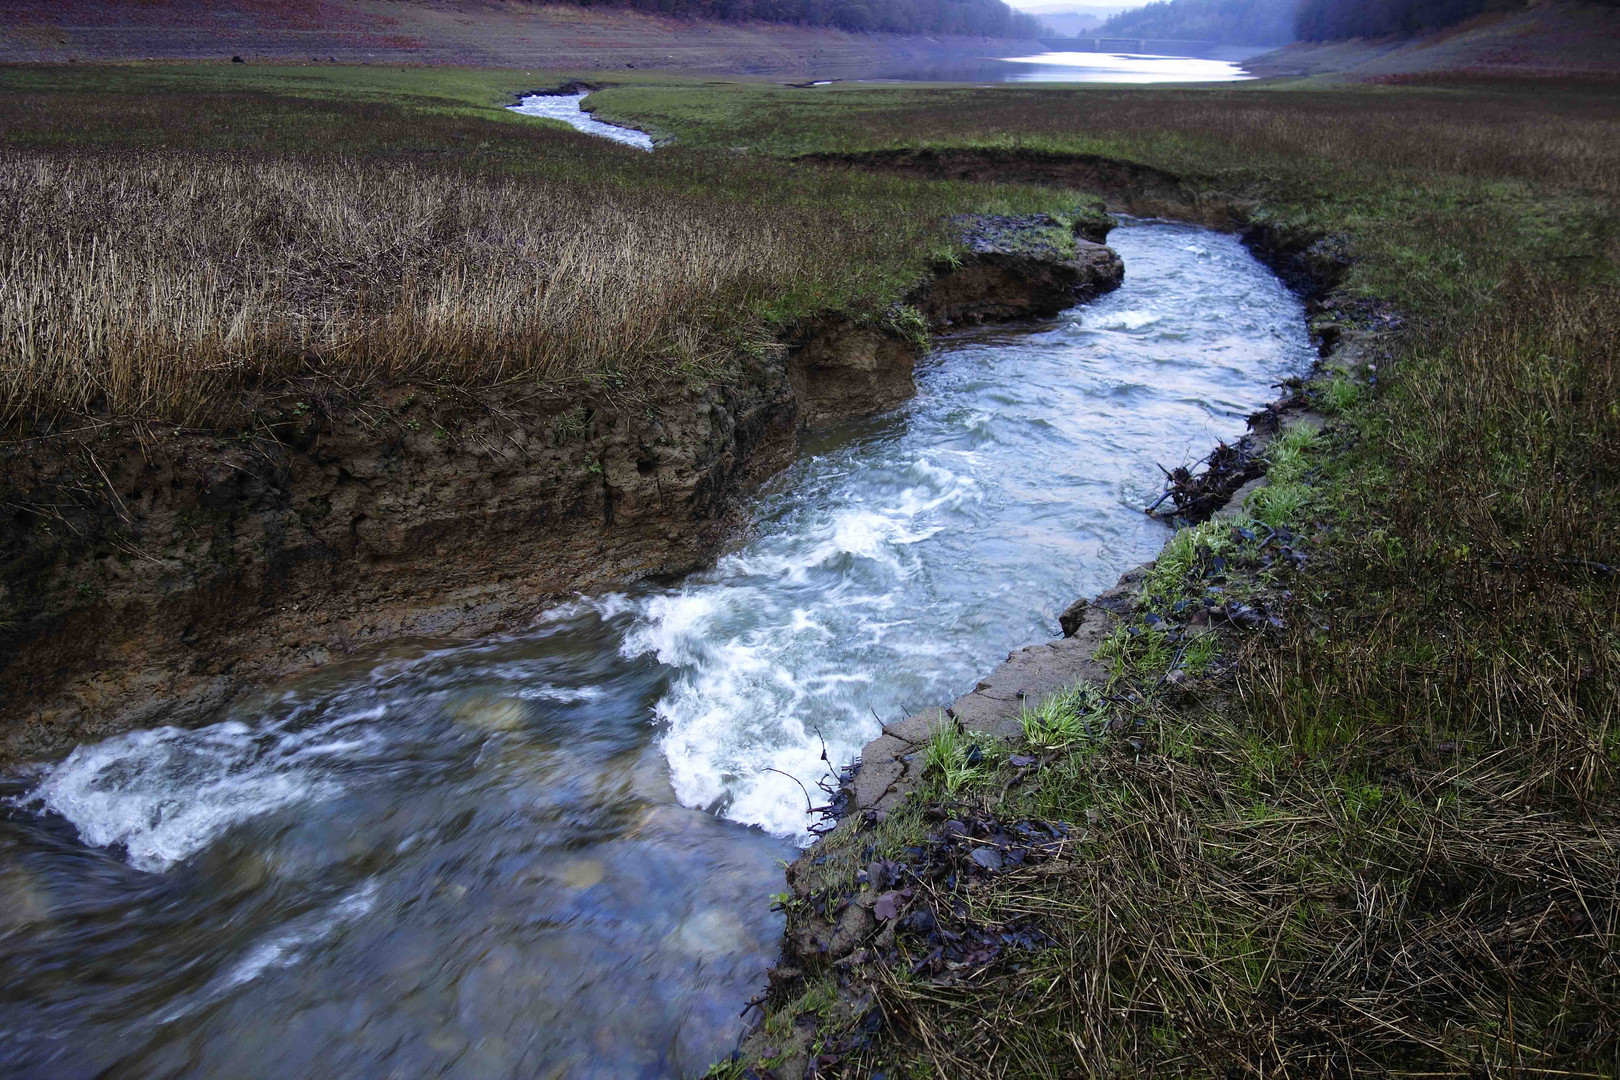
[(1563, 40), (481, 33)]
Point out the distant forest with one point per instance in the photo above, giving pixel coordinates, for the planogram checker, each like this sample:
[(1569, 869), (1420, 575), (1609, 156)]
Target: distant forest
[(971, 18), (1334, 20), (1232, 22), (1265, 22)]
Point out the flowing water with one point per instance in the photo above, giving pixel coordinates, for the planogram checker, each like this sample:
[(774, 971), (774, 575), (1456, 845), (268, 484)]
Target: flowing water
[(551, 853), (569, 109)]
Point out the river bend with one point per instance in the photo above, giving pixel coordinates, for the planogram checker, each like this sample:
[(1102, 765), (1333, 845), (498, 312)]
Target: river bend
[(551, 853)]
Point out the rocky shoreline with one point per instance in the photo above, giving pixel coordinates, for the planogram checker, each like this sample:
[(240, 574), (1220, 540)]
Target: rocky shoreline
[(890, 767), (150, 575)]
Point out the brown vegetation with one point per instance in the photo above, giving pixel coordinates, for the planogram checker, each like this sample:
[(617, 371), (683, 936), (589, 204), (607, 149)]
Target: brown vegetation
[(152, 284)]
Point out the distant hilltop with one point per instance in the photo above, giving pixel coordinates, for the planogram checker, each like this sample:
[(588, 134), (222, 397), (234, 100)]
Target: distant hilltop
[(718, 36), (1251, 22)]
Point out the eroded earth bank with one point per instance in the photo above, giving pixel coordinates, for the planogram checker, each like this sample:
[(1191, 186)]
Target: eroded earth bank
[(151, 575), (174, 575)]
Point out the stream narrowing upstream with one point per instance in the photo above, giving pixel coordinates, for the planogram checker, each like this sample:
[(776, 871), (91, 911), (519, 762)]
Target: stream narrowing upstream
[(551, 853)]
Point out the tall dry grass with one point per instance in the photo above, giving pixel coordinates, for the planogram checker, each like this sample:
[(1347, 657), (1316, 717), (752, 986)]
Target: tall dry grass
[(148, 284)]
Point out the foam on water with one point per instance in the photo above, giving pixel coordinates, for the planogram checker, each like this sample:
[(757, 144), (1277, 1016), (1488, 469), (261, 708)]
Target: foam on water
[(166, 793), (891, 571), (566, 107), (884, 574), (468, 859)]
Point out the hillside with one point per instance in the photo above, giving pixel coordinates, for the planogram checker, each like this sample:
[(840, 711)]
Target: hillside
[(484, 33), (1235, 22), (959, 17), (1339, 20), (1068, 23), (1567, 40)]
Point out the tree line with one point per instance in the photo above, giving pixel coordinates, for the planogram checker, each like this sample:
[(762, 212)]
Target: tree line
[(1335, 20), (1236, 22), (969, 18), (1264, 22)]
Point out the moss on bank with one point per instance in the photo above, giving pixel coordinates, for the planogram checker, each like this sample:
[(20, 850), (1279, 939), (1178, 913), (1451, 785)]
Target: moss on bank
[(1352, 809)]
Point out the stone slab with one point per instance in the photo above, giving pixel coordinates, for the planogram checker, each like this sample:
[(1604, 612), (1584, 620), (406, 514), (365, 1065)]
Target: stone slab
[(917, 729)]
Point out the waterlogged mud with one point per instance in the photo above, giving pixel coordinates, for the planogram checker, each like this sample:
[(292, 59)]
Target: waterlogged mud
[(552, 851)]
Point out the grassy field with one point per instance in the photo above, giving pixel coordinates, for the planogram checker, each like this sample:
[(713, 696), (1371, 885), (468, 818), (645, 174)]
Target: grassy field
[(1377, 836), (186, 233), (1382, 836)]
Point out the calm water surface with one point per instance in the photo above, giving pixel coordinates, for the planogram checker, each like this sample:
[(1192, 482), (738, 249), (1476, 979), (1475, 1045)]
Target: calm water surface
[(1077, 67), (1121, 68), (551, 853)]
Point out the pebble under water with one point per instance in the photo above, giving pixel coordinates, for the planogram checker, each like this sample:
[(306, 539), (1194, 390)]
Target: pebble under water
[(552, 853)]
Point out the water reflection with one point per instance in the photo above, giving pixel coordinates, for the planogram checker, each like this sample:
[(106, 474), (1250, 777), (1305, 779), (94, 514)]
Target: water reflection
[(1220, 64), (1098, 67)]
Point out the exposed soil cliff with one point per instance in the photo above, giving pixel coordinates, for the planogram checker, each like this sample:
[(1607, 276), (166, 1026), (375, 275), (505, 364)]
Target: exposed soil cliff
[(149, 575), (1309, 262), (1020, 267)]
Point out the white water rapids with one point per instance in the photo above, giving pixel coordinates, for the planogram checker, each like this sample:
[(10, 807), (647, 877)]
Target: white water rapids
[(569, 108), (552, 851)]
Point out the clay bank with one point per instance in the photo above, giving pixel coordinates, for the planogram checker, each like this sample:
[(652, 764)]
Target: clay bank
[(548, 842)]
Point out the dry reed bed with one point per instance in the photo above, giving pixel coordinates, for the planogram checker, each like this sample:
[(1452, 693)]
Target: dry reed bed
[(148, 284)]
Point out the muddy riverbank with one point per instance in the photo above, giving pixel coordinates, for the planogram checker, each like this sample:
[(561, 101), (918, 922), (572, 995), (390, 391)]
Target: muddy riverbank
[(840, 927), (151, 575)]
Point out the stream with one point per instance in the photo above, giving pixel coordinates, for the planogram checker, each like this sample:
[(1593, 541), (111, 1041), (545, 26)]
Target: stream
[(551, 853), (569, 108)]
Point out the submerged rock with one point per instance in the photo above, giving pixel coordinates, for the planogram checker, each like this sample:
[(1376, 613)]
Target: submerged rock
[(491, 714), (24, 900)]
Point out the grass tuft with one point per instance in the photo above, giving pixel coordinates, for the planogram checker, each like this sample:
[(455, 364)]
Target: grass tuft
[(1064, 719)]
